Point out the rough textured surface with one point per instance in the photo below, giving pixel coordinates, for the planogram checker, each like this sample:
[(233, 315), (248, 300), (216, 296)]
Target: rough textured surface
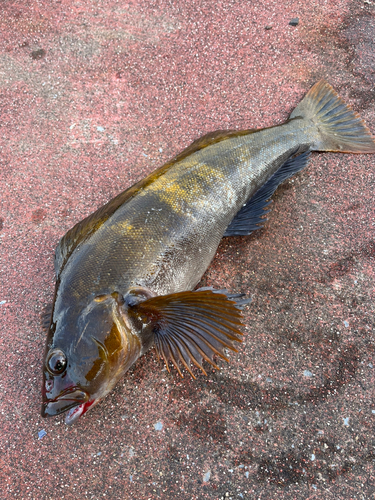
[(94, 95)]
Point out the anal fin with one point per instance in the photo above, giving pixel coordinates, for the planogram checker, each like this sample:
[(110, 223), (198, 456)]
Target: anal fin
[(251, 215)]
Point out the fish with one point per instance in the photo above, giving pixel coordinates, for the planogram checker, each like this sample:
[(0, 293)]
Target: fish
[(126, 274)]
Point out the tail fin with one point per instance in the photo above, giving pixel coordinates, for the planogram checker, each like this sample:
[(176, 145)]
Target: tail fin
[(340, 128)]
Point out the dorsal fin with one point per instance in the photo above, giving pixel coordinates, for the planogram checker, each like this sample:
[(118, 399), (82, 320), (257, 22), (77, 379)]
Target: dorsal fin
[(208, 140), (83, 229), (45, 316)]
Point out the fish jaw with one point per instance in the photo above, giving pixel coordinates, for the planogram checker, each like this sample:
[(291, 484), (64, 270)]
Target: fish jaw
[(70, 399), (61, 394)]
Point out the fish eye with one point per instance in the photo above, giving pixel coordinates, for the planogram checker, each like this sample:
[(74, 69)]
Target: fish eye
[(56, 362)]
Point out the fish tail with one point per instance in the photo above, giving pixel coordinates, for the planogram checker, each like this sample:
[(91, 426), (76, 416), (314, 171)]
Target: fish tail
[(339, 128)]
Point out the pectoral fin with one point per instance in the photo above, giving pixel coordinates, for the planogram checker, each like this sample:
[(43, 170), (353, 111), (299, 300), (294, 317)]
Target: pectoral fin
[(192, 326)]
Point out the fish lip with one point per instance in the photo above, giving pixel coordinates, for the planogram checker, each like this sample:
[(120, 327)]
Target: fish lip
[(65, 401)]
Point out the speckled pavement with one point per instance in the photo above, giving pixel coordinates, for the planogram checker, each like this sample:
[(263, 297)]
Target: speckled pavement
[(93, 96)]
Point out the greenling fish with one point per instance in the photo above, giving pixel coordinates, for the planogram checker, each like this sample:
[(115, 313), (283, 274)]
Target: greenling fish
[(126, 273)]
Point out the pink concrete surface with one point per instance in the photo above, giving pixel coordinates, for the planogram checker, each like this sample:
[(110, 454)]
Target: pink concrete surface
[(94, 95)]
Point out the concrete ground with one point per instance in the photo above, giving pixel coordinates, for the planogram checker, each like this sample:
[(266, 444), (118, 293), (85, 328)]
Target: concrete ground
[(93, 96)]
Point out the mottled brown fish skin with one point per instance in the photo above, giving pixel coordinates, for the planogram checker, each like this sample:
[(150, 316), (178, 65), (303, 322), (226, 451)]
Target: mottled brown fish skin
[(157, 239), (165, 237)]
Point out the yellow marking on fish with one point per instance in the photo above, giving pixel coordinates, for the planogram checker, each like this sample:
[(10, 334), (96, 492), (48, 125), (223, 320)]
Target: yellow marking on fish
[(174, 187), (124, 226)]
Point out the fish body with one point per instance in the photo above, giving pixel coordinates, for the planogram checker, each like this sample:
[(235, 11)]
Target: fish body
[(125, 274)]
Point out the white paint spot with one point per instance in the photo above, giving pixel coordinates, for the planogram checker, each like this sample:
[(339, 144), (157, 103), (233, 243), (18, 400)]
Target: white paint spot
[(158, 426), (346, 323), (207, 476), (2, 302), (307, 373), (346, 421), (100, 129), (41, 434), (312, 457)]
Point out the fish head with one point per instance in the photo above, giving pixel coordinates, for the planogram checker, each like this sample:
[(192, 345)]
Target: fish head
[(86, 354)]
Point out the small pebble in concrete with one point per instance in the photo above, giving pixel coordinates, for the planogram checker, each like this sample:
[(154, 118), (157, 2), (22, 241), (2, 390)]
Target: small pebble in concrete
[(294, 21), (346, 323), (268, 27)]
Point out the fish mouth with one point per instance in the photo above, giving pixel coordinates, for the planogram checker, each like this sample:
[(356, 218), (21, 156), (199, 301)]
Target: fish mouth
[(74, 401)]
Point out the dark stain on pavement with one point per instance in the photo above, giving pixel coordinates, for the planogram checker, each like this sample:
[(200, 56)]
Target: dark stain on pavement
[(348, 43), (38, 215), (345, 264), (252, 396), (205, 424), (288, 468), (38, 54)]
